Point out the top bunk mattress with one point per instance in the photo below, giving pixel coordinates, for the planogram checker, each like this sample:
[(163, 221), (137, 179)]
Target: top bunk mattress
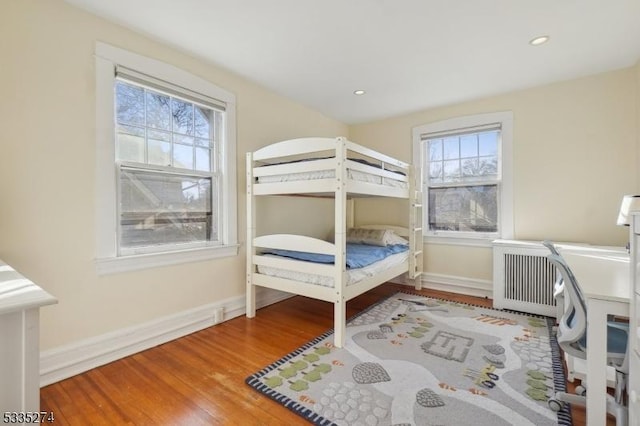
[(356, 175), (329, 174)]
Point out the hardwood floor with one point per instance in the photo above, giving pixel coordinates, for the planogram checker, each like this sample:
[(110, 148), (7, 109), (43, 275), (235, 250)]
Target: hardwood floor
[(199, 379)]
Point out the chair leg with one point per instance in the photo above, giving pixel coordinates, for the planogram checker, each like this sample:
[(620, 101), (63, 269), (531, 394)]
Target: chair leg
[(568, 359), (567, 398), (618, 411), (621, 385), (616, 404)]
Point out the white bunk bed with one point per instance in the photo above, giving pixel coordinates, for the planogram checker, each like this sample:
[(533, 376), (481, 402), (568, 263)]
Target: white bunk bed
[(339, 169)]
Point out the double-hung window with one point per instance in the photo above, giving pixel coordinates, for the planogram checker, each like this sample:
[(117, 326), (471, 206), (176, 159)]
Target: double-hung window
[(466, 177), (166, 145)]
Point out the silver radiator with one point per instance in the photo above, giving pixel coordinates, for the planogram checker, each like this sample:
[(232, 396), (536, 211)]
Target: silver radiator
[(523, 278)]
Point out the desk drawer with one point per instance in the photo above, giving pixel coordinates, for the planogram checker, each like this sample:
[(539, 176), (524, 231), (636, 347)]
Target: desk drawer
[(636, 223), (634, 329), (634, 412)]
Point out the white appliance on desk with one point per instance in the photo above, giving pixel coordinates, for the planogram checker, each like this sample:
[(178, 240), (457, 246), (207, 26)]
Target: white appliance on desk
[(633, 385)]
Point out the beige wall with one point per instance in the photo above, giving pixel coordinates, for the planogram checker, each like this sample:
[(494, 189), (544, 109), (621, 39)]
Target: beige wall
[(47, 161), (575, 155)]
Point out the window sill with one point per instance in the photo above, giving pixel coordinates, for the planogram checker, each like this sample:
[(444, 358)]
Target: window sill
[(459, 241), (114, 265)]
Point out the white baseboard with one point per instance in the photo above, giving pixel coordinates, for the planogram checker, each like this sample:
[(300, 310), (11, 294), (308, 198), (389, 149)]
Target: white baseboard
[(452, 284), (462, 285), (66, 361)]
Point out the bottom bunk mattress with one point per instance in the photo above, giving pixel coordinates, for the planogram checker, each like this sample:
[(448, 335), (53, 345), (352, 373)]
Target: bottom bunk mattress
[(354, 275)]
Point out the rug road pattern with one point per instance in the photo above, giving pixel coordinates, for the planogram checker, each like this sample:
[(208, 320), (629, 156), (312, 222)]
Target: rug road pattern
[(413, 360)]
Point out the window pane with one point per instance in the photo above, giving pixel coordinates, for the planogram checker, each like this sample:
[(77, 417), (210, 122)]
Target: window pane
[(182, 116), (488, 143), (183, 156), (468, 146), (185, 140), (464, 208), (168, 121), (158, 111), (451, 170), (464, 161), (435, 170), (130, 143), (203, 159), (159, 146), (470, 167), (488, 166), (435, 150), (129, 104), (158, 208), (202, 122), (451, 148)]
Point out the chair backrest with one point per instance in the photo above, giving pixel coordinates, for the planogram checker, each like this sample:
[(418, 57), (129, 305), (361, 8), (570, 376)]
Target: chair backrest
[(558, 287), (552, 248), (558, 284), (572, 326)]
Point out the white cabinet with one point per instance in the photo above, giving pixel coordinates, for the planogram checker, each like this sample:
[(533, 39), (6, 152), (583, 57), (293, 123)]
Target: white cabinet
[(634, 350), (20, 302)]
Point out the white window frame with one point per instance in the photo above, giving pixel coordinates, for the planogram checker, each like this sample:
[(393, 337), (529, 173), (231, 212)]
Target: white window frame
[(505, 183), (107, 259)]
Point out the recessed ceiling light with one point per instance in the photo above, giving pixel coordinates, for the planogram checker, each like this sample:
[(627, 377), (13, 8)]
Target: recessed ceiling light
[(539, 40), (359, 92)]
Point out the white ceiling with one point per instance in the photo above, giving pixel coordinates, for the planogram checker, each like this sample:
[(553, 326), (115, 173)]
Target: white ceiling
[(408, 55)]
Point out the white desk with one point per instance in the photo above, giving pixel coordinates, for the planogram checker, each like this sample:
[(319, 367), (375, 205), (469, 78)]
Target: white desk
[(20, 302), (605, 279)]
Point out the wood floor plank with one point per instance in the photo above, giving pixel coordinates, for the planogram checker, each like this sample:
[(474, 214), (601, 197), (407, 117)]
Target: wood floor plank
[(199, 379)]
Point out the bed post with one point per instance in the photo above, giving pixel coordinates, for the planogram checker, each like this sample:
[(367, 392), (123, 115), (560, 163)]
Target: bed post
[(350, 212), (340, 309), (251, 228)]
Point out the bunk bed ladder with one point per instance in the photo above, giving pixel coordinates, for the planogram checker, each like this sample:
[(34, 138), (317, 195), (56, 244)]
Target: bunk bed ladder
[(415, 229), (251, 230)]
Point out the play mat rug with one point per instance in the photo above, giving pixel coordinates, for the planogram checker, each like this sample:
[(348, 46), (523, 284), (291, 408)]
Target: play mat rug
[(414, 360)]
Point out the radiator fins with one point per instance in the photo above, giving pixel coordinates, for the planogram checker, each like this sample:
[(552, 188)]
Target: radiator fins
[(529, 278)]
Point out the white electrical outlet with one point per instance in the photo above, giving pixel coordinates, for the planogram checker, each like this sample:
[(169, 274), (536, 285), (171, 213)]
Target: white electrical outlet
[(218, 315)]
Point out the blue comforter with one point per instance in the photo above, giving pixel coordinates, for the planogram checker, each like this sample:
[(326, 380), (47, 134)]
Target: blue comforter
[(358, 255)]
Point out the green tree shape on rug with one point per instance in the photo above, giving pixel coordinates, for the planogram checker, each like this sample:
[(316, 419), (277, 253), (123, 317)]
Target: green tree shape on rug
[(292, 370), (299, 385), (312, 376), (273, 381), (322, 350), (419, 331), (538, 390), (536, 322), (310, 357), (538, 375), (537, 394)]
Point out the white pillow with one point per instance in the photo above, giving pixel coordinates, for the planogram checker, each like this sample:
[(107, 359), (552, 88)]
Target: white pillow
[(393, 239), (374, 237)]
